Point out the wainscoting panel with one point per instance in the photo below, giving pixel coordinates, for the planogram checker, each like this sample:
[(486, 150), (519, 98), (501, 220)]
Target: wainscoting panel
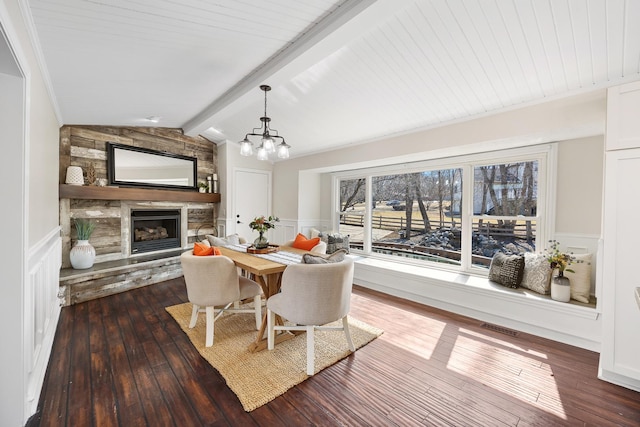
[(41, 311), (285, 230)]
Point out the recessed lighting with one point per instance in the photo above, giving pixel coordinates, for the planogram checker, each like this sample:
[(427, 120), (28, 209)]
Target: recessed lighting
[(153, 119)]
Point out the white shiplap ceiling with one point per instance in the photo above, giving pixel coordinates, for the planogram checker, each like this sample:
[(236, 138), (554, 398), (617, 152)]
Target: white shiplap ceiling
[(342, 72)]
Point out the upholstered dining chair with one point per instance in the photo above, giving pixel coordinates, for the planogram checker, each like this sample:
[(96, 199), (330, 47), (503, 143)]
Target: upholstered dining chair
[(214, 285), (311, 296)]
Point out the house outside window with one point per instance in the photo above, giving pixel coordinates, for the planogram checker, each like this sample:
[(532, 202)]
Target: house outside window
[(453, 214)]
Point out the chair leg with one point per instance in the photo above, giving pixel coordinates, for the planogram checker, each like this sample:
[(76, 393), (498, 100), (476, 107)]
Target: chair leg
[(210, 325), (194, 316), (271, 322), (345, 326), (257, 302), (310, 350)]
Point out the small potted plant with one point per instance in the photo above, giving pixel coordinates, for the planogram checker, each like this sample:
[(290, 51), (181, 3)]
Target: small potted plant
[(560, 285), (83, 254), (261, 224), (203, 187)]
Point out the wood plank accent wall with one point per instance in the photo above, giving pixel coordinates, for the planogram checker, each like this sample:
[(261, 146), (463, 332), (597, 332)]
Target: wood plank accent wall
[(86, 145)]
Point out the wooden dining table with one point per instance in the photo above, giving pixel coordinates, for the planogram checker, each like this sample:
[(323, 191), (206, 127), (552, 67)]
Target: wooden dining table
[(268, 274)]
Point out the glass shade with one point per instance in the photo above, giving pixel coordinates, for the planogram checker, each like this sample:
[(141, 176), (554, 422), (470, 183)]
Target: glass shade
[(283, 151), (262, 153), (246, 148), (267, 143)]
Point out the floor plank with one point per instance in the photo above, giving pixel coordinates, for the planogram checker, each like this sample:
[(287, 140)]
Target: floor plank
[(123, 361)]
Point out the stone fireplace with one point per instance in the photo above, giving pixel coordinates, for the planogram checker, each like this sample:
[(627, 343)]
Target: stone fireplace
[(167, 220)]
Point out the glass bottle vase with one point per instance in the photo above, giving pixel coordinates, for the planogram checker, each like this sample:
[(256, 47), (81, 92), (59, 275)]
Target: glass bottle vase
[(261, 242)]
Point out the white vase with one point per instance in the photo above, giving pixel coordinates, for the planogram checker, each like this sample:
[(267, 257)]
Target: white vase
[(560, 289), (82, 255), (74, 176)]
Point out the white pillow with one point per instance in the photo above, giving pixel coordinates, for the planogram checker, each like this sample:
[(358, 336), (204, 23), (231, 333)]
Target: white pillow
[(232, 239), (580, 281), (313, 232), (537, 273)]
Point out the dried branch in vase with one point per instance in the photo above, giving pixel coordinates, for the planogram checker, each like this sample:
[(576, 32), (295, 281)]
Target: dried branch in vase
[(91, 175)]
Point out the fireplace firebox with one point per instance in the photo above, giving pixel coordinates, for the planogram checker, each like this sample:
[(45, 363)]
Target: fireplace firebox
[(154, 230)]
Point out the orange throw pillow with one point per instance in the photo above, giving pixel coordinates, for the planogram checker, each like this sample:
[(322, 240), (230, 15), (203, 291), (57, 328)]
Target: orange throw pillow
[(301, 242), (200, 249)]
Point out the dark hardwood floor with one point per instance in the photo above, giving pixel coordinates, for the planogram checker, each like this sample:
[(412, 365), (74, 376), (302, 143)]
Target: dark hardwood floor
[(123, 361)]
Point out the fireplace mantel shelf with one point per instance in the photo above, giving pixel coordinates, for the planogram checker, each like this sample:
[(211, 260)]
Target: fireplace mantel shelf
[(147, 194)]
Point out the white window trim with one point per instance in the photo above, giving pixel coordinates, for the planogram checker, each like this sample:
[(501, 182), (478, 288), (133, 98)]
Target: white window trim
[(545, 154)]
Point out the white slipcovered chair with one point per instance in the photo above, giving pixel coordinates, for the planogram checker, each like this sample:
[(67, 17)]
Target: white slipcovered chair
[(311, 296), (213, 284)]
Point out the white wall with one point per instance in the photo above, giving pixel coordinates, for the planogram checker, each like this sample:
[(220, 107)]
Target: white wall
[(579, 187), (30, 280)]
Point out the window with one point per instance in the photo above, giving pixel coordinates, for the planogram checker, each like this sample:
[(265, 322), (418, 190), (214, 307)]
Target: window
[(456, 214), (504, 209), (352, 210)]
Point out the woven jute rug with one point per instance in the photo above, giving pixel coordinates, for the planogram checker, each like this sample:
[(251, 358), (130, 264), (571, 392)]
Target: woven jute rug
[(257, 378)]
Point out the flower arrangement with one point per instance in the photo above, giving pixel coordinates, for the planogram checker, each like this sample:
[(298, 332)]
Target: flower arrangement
[(558, 259), (84, 228), (261, 223)]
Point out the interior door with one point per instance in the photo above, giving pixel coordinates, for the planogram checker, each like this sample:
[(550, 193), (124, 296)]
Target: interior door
[(252, 196)]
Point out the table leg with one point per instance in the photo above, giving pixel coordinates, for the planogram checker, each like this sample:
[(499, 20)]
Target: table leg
[(270, 286)]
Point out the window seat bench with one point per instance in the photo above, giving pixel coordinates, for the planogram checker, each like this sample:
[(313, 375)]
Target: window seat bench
[(574, 323)]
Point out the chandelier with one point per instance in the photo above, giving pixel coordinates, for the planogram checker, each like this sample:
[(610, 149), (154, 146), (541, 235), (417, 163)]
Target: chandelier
[(269, 137)]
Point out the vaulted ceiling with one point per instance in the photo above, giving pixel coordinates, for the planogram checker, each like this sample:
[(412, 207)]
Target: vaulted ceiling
[(342, 71)]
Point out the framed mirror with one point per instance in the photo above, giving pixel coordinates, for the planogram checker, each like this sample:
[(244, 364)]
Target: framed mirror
[(129, 166)]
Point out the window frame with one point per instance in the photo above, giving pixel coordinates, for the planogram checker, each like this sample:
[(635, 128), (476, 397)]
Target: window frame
[(544, 154)]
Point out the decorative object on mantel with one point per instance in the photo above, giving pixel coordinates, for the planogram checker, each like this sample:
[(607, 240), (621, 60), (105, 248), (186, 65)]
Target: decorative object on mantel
[(215, 182), (202, 187), (74, 176), (560, 284), (91, 175), (83, 254), (267, 146), (261, 224)]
